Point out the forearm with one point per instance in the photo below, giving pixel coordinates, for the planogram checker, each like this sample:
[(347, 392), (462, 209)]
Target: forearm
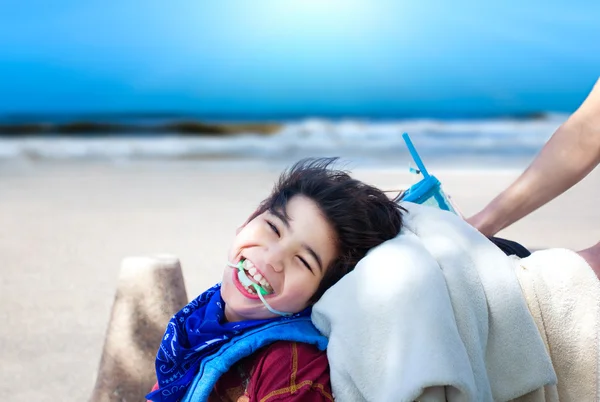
[(571, 153)]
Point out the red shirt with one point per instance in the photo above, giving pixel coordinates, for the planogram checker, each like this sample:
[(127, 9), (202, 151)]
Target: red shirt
[(282, 371)]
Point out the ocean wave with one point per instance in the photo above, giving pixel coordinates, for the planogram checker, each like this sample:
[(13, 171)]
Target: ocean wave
[(301, 138)]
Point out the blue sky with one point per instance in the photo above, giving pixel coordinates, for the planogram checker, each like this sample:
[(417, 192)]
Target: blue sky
[(428, 57)]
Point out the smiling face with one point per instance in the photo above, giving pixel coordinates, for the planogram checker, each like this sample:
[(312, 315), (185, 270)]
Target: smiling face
[(287, 255)]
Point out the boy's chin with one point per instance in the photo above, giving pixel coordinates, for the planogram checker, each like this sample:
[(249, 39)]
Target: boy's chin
[(238, 307), (246, 313)]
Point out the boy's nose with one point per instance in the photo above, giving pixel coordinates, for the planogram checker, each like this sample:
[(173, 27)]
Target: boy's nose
[(276, 267), (275, 258)]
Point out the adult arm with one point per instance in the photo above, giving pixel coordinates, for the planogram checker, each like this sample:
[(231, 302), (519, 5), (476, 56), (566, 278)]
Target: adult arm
[(572, 152)]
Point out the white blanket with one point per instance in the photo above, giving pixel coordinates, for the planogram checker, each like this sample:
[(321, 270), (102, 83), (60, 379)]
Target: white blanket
[(435, 313)]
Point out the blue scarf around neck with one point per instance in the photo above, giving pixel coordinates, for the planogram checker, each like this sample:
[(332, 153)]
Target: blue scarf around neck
[(196, 331)]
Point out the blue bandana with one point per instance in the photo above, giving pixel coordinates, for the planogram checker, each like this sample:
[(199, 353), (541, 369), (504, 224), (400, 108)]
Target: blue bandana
[(197, 331)]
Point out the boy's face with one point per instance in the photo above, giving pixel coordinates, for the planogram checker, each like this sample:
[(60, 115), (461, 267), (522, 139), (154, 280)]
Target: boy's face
[(290, 254)]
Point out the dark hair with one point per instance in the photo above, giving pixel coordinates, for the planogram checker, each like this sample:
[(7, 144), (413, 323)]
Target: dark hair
[(361, 215)]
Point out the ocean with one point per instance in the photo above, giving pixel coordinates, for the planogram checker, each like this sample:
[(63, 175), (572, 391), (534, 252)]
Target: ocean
[(471, 141)]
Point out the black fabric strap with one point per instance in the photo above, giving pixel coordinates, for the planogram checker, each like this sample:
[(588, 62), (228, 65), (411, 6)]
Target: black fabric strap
[(510, 247)]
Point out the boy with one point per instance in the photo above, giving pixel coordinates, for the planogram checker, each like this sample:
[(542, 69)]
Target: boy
[(315, 226)]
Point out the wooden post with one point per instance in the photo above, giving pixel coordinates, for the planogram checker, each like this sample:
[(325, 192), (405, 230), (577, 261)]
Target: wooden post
[(150, 290)]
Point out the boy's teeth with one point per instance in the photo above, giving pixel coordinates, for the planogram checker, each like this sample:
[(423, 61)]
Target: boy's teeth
[(266, 285), (249, 266)]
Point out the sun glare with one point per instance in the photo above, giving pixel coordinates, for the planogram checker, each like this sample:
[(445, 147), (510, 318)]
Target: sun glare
[(334, 12), (320, 5)]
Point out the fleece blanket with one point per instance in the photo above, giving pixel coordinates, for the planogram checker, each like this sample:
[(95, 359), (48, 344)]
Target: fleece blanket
[(563, 295), (436, 313)]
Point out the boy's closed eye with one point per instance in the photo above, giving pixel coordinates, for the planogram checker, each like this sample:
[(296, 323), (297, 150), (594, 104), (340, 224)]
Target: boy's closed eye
[(273, 228), (306, 264)]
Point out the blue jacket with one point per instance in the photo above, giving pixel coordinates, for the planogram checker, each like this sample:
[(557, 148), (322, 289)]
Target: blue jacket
[(214, 366)]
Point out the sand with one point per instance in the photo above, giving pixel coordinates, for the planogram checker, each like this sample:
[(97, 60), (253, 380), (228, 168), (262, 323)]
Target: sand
[(65, 227)]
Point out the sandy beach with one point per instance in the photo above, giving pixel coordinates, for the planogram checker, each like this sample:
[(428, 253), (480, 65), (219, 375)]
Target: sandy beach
[(65, 227)]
